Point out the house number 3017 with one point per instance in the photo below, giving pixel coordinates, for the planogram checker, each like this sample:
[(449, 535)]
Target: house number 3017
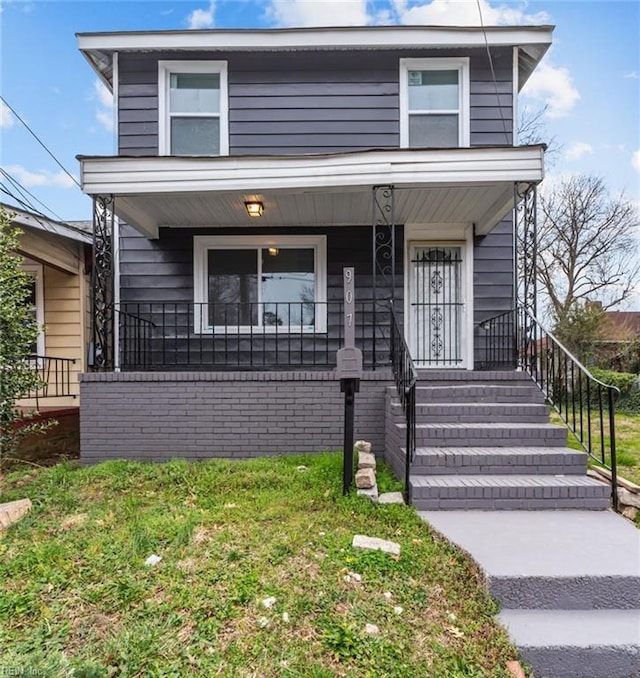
[(349, 307)]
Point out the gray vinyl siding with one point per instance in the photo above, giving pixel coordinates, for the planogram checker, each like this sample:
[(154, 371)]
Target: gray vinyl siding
[(492, 279), (312, 102), (162, 271)]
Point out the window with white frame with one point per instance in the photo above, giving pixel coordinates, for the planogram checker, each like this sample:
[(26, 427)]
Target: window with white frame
[(274, 284), (193, 107), (434, 103), (35, 301)]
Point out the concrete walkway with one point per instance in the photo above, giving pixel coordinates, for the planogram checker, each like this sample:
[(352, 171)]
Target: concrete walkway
[(568, 583)]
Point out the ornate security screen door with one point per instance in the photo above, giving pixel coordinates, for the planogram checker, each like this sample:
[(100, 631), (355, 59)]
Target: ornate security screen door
[(436, 306)]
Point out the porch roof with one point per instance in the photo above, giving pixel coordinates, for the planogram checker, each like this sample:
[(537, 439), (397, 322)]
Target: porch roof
[(435, 186)]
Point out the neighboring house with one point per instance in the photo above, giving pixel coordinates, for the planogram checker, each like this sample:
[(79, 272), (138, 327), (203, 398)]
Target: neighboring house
[(252, 167), (57, 256), (619, 345)]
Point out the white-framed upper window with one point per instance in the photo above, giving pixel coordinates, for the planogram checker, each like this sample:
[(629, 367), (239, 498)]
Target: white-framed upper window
[(193, 108), (35, 300), (434, 103), (273, 284)]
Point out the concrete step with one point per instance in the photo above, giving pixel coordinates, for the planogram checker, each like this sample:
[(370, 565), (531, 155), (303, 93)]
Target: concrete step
[(572, 560), (452, 413), (492, 434), (507, 492), (518, 392), (577, 644), (498, 460)]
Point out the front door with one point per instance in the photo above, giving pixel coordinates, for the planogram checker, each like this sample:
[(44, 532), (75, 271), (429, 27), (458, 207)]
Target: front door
[(436, 313)]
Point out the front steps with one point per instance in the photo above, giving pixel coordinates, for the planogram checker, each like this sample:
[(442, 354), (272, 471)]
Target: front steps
[(494, 477), (484, 441)]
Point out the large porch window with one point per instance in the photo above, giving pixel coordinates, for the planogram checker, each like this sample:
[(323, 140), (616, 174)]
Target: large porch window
[(274, 284)]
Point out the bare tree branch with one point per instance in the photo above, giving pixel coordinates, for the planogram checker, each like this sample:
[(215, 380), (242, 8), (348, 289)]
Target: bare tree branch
[(587, 250)]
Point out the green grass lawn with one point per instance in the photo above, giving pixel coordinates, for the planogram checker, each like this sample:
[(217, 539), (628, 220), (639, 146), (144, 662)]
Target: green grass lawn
[(627, 443), (75, 592)]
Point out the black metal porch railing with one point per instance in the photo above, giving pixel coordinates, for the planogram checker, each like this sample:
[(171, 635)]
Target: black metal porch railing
[(585, 404), (405, 376), (54, 376), (236, 336)]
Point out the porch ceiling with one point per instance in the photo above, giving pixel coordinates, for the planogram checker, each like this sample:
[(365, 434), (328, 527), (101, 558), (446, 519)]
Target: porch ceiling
[(455, 186)]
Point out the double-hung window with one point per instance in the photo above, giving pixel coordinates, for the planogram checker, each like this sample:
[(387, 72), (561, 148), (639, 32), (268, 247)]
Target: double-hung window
[(193, 108), (434, 103), (270, 284)]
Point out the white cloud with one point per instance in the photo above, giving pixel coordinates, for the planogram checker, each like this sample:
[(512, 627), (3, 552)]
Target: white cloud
[(436, 12), (318, 13), (202, 18), (104, 111), (465, 13), (6, 117), (577, 150), (553, 86), (631, 75), (40, 178), (635, 160)]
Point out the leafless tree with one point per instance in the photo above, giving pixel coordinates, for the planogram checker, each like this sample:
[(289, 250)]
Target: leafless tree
[(588, 247), (532, 129)]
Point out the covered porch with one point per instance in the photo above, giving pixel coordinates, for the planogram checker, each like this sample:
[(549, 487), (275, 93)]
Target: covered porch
[(429, 231)]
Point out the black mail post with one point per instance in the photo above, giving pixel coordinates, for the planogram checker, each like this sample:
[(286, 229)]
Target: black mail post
[(349, 371)]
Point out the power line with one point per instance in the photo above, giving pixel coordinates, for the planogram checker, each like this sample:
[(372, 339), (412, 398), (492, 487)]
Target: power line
[(38, 216), (24, 192), (493, 75), (37, 138)]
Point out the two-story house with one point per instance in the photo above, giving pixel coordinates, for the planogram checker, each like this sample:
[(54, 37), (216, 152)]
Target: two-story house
[(253, 166)]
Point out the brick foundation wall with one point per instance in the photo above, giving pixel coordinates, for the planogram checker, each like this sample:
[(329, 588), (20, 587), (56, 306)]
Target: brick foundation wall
[(161, 415)]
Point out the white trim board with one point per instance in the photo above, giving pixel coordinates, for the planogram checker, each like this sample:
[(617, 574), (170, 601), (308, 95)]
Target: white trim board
[(406, 167), (379, 37)]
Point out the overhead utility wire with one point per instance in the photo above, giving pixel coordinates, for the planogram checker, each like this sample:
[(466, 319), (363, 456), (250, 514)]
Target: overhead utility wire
[(493, 75), (37, 138), (38, 216), (24, 192)]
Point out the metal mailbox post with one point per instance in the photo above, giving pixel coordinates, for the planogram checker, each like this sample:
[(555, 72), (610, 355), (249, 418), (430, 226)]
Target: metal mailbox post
[(349, 371)]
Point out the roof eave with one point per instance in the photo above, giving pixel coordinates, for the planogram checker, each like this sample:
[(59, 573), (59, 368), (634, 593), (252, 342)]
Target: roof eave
[(98, 48)]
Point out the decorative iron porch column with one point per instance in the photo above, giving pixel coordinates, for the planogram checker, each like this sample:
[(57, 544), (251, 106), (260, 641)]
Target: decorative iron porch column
[(526, 243), (525, 276), (383, 267), (102, 285)]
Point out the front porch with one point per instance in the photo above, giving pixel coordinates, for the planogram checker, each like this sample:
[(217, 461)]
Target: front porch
[(192, 283)]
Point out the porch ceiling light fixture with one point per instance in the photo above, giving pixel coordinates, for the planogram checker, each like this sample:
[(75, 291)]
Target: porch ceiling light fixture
[(254, 208)]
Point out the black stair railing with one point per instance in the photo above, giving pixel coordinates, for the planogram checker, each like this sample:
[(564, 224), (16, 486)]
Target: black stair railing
[(405, 376), (585, 404)]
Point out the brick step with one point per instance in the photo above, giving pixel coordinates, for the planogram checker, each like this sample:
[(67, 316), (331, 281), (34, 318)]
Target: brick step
[(452, 413), (498, 460), (430, 376), (493, 435), (577, 643), (507, 492), (479, 393)]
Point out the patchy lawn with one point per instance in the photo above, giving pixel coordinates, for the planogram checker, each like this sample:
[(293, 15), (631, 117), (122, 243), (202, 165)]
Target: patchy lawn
[(75, 592), (627, 444)]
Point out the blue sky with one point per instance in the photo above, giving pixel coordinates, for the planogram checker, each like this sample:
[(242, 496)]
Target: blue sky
[(590, 80)]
